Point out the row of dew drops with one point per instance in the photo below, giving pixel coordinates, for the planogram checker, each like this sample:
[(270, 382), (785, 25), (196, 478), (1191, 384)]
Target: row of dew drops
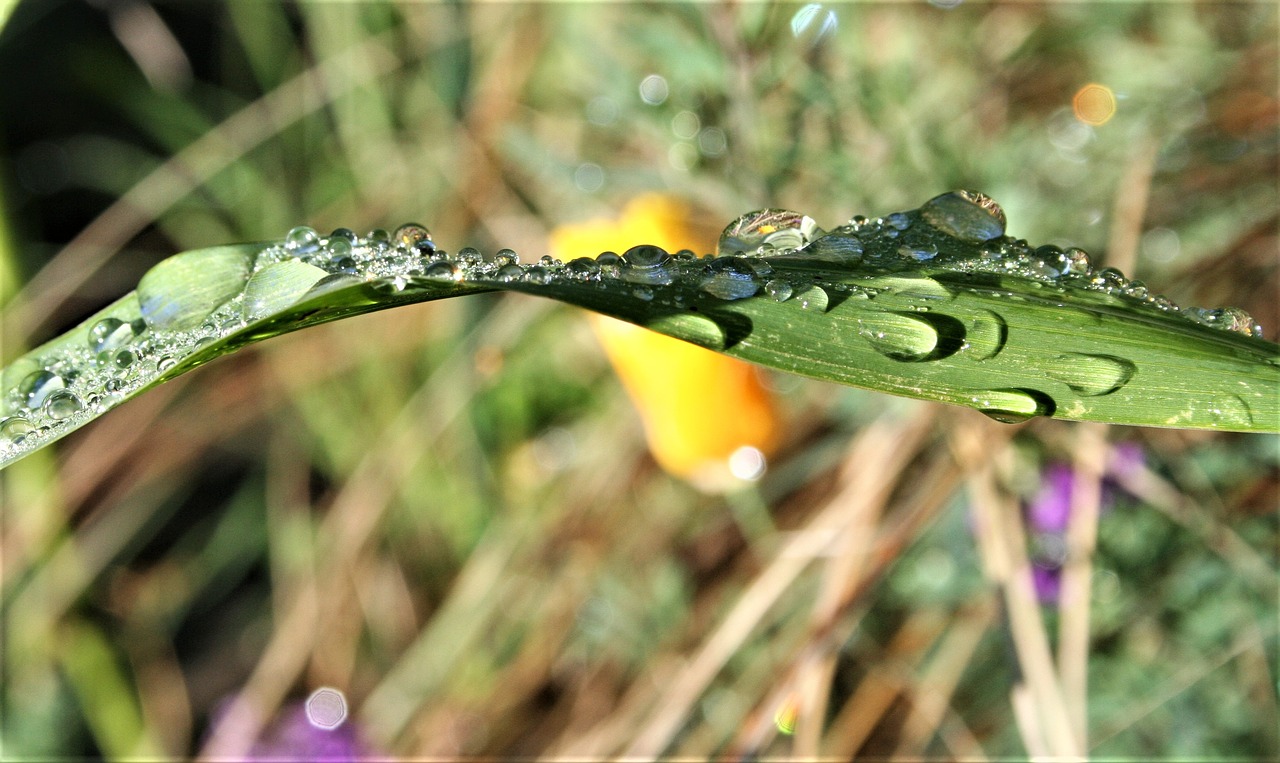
[(194, 298)]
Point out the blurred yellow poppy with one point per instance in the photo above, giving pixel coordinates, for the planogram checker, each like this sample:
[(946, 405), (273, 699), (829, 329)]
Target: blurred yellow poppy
[(707, 417)]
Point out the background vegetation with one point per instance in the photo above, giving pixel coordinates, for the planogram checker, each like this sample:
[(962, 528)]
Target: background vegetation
[(447, 512)]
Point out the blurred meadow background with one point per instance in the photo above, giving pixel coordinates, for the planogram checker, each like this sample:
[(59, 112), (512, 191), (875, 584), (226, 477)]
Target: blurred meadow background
[(443, 523)]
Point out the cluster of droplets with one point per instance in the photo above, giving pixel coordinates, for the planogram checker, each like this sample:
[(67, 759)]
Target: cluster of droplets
[(900, 260)]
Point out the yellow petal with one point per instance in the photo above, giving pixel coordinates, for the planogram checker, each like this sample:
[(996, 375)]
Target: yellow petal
[(698, 407)]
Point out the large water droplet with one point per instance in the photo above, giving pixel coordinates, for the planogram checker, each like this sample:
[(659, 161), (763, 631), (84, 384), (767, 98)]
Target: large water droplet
[(778, 290), (729, 278), (813, 298), (302, 240), (692, 327), (1226, 318), (14, 430), (110, 334), (1231, 412), (62, 405), (967, 215), (765, 229), (277, 286), (985, 335), (1012, 406), (443, 270), (509, 272), (645, 257), (413, 237), (1091, 375), (837, 249), (180, 292), (900, 336), (38, 386)]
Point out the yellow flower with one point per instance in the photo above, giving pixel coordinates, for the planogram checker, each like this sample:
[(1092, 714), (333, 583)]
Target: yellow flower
[(707, 417)]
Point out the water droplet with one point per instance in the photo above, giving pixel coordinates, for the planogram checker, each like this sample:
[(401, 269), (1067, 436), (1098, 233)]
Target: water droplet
[(645, 257), (1012, 406), (919, 252), (1091, 375), (378, 236), (1078, 263), (469, 257), (443, 270), (985, 335), (36, 387), (277, 286), (814, 298), (729, 278), (583, 267), (1108, 279), (779, 290), (537, 274), (691, 327), (835, 248), (302, 240), (165, 363), (898, 221), (110, 334), (1231, 412), (14, 430), (900, 336), (642, 293), (1225, 318), (1047, 262), (765, 229), (345, 234), (339, 251), (506, 257), (62, 405), (413, 237), (509, 272), (967, 215), (124, 358), (180, 292)]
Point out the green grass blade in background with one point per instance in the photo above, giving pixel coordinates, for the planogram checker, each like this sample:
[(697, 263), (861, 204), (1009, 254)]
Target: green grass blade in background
[(935, 304)]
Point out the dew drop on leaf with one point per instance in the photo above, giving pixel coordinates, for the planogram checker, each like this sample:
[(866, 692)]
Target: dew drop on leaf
[(62, 405), (729, 278), (38, 386), (778, 290), (14, 430), (302, 240), (110, 334), (1091, 375), (277, 286), (899, 336), (967, 215), (814, 298), (767, 229), (985, 335), (412, 236), (181, 291), (1009, 406), (645, 257), (444, 270)]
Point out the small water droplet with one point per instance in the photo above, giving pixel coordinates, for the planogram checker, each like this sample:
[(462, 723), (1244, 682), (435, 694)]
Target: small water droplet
[(62, 405), (900, 336), (778, 290), (1011, 406), (509, 272), (1091, 375), (1078, 263), (537, 274), (165, 363), (339, 251), (643, 293), (469, 257), (1047, 262), (814, 298), (378, 236), (443, 270), (346, 234), (413, 237), (37, 386), (110, 334), (505, 257), (898, 221), (767, 229), (645, 257), (124, 358), (729, 278), (967, 215), (302, 240), (183, 290), (919, 252), (14, 430), (985, 335)]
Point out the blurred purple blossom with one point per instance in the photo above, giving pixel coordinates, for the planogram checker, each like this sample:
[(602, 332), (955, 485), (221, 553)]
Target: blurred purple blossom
[(1049, 512), (315, 730)]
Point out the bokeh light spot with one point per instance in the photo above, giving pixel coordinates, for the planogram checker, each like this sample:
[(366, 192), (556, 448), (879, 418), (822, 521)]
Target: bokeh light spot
[(1094, 104), (326, 708), (654, 89)]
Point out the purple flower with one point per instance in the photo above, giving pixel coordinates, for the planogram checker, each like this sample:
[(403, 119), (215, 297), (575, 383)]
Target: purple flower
[(314, 730), (1049, 513)]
